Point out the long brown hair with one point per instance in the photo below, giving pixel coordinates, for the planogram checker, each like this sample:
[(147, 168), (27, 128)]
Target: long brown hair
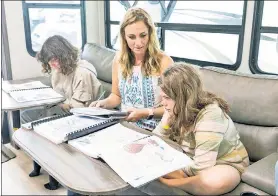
[(182, 83), (151, 63), (61, 49)]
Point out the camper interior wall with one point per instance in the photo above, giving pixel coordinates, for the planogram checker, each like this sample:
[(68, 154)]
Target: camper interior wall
[(23, 65), (244, 66)]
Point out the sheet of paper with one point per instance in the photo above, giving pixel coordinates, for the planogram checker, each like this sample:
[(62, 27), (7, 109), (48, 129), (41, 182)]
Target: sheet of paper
[(116, 135), (144, 160)]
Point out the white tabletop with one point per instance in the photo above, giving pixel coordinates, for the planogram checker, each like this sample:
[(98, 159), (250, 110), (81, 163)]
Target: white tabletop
[(9, 104)]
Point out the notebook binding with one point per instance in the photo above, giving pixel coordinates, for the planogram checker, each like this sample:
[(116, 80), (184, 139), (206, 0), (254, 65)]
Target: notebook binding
[(85, 131), (29, 89), (49, 119)]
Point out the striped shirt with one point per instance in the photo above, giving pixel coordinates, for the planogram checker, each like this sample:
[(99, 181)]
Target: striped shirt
[(214, 141)]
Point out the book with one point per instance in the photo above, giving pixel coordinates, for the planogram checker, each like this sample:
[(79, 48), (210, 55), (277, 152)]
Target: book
[(99, 113), (62, 128), (8, 87), (137, 158), (31, 91)]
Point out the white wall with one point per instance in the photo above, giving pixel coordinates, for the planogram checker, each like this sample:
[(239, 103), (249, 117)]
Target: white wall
[(244, 67), (95, 22), (23, 65)]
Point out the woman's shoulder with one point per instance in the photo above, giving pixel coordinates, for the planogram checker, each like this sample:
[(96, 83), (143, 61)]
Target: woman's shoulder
[(166, 61)]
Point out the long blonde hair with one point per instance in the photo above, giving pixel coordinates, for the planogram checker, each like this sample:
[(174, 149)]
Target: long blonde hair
[(151, 63), (182, 83)]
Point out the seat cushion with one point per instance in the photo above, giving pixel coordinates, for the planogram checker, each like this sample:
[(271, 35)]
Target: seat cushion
[(243, 187), (261, 174)]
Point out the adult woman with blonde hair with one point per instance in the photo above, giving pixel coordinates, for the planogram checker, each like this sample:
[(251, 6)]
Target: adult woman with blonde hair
[(136, 69)]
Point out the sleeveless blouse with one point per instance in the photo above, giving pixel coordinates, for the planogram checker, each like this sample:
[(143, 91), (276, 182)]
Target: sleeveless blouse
[(139, 91)]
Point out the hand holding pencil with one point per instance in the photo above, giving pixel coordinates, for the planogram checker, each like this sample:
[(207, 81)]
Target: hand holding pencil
[(99, 103)]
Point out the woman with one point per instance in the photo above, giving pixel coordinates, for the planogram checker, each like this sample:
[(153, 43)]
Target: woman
[(197, 120), (136, 69), (73, 78)]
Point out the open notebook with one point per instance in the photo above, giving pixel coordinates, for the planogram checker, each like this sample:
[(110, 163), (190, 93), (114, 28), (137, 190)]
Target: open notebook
[(137, 158), (99, 113), (30, 91), (66, 127)]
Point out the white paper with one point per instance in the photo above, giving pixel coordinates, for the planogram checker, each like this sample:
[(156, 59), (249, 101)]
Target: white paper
[(144, 160), (56, 130), (111, 137)]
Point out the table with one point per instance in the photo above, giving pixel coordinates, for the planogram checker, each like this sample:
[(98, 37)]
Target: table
[(71, 168), (13, 107)]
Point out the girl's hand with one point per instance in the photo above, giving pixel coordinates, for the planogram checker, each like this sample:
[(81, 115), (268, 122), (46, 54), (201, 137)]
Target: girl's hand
[(175, 175), (136, 114), (65, 107), (165, 118), (172, 182)]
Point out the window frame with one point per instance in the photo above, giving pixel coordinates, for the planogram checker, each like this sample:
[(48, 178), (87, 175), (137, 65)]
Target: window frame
[(257, 30), (225, 29), (26, 19)]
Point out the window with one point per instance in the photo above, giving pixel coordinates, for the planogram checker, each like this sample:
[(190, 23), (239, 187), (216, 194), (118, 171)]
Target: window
[(264, 46), (198, 32), (43, 19)]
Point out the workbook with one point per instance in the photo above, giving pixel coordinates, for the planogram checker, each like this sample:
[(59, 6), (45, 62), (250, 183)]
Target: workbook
[(99, 113), (62, 128), (8, 87), (30, 91), (136, 157)]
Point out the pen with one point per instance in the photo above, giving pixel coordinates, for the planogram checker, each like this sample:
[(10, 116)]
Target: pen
[(101, 95)]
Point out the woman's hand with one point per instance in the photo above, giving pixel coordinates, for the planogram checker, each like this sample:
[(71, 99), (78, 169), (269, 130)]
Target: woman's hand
[(99, 104), (136, 114)]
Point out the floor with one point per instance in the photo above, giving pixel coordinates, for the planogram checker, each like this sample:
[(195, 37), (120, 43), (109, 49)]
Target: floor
[(16, 181)]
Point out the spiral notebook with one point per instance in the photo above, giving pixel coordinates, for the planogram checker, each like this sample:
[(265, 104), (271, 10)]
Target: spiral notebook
[(31, 91), (99, 113), (8, 87), (62, 128)]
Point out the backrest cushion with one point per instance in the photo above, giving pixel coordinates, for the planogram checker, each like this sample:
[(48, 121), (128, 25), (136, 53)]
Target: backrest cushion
[(102, 58)]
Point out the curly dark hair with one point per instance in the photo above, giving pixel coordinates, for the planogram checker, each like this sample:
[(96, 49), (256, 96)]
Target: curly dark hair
[(61, 49)]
